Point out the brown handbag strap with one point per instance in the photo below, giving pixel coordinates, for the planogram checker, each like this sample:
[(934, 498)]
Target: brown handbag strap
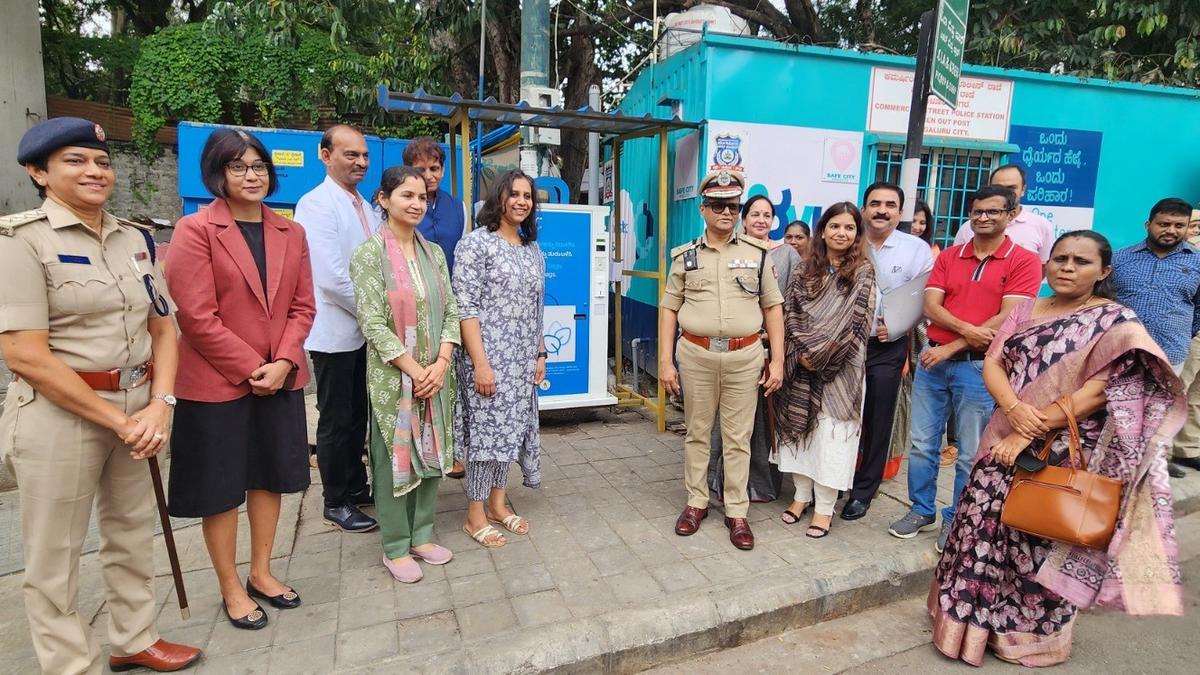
[(1073, 440)]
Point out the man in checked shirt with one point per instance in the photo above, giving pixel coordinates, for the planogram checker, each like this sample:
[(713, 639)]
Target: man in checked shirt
[(1159, 279)]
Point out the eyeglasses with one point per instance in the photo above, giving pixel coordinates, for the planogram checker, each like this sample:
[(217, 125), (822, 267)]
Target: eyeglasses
[(721, 207), (992, 214), (239, 168)]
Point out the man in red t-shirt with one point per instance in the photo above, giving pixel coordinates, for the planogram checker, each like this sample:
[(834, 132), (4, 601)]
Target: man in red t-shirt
[(971, 290)]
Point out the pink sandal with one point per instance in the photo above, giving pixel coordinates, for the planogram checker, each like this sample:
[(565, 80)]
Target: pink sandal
[(408, 572), (438, 555)]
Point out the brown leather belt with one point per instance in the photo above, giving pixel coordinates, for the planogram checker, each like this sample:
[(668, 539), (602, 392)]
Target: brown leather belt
[(117, 379), (721, 344)]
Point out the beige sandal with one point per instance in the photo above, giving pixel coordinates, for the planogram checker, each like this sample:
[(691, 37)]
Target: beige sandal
[(512, 522), (484, 534)]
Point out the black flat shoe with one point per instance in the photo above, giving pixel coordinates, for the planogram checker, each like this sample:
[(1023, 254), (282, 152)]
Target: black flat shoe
[(1175, 471), (348, 518), (255, 620), (855, 509), (289, 599)]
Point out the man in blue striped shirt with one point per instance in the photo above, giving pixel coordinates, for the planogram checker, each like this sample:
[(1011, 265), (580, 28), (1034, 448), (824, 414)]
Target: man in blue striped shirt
[(1159, 279)]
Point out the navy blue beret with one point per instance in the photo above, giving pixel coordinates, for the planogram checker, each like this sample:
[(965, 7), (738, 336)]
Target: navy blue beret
[(44, 138)]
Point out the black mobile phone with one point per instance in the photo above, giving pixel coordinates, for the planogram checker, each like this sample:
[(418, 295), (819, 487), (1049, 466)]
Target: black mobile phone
[(1029, 461)]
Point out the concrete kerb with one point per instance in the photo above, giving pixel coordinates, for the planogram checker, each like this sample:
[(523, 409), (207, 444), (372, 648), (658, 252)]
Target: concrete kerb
[(631, 640)]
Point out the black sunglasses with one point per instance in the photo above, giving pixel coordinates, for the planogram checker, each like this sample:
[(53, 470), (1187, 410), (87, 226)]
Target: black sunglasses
[(721, 207)]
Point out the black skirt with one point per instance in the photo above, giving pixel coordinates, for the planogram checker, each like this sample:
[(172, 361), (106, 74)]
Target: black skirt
[(221, 450)]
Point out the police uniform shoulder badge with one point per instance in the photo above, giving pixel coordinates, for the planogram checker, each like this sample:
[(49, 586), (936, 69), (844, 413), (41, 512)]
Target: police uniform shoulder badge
[(9, 224)]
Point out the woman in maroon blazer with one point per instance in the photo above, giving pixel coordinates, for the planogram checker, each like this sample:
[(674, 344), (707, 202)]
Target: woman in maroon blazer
[(242, 284)]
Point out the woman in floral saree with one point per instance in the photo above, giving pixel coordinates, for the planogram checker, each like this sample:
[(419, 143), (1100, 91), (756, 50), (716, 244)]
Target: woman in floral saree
[(1018, 594), (409, 316)]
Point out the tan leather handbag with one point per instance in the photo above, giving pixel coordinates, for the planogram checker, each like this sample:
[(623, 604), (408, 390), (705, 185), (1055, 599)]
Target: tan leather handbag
[(1064, 503)]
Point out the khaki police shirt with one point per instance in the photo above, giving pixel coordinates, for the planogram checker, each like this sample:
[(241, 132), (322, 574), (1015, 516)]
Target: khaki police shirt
[(720, 298), (86, 290)]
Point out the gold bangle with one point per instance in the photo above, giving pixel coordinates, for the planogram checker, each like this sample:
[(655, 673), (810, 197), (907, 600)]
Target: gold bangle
[(1014, 405)]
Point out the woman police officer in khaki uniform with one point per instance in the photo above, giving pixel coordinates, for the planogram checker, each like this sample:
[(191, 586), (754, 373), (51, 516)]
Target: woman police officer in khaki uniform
[(89, 337)]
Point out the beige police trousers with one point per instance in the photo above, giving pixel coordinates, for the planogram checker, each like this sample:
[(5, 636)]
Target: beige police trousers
[(63, 464), (726, 384), (1187, 442)]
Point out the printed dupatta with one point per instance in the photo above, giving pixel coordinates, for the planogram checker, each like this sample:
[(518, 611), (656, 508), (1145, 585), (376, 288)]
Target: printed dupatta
[(422, 429)]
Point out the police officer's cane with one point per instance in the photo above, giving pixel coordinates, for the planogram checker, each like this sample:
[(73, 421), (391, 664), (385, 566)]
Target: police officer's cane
[(169, 538)]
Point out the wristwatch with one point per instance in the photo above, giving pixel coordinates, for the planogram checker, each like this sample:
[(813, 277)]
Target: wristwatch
[(169, 399), (543, 355)]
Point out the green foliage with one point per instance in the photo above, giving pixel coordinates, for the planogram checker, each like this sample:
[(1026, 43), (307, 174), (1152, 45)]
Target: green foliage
[(1151, 41)]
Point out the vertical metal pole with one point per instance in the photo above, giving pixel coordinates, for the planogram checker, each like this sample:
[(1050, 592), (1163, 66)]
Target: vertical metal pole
[(479, 125), (535, 70), (910, 170), (662, 264), (465, 130), (618, 244), (594, 150)]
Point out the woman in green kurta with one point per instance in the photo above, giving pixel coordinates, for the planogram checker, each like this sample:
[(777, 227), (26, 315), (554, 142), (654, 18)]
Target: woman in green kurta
[(408, 314)]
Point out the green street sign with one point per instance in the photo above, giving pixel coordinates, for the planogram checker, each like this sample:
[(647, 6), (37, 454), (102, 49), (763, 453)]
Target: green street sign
[(948, 41)]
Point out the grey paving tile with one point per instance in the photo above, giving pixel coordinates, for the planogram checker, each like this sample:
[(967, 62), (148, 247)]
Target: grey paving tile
[(226, 640), (422, 598), (251, 662), (315, 564), (476, 589), (366, 610), (306, 622), (431, 632), (484, 620), (371, 581), (634, 587), (366, 645), (588, 597), (519, 553), (682, 576), (317, 543), (720, 568), (541, 608), (470, 562), (314, 655), (318, 590), (615, 560), (526, 580)]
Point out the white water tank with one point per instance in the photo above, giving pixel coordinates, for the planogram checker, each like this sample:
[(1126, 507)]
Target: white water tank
[(683, 28)]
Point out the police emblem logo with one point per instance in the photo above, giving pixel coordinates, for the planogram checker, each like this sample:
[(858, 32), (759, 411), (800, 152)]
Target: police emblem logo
[(724, 179), (99, 133), (728, 153)]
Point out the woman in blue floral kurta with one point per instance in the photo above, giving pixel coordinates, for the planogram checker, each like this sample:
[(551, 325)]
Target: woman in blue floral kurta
[(499, 280)]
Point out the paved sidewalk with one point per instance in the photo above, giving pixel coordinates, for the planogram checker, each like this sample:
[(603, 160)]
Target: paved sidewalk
[(600, 583)]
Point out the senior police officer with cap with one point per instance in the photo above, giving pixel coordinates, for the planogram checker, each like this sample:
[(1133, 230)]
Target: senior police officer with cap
[(721, 291), (86, 328)]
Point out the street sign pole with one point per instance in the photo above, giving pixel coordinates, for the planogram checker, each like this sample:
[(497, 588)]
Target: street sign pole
[(949, 40), (910, 170)]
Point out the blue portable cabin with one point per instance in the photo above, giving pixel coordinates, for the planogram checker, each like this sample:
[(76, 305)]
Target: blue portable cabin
[(813, 125), (297, 165)]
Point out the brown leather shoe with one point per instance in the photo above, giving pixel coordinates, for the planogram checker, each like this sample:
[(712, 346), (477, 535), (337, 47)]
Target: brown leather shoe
[(739, 533), (689, 521), (162, 656)]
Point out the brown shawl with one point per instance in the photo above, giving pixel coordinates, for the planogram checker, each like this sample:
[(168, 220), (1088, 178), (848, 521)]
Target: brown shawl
[(830, 327)]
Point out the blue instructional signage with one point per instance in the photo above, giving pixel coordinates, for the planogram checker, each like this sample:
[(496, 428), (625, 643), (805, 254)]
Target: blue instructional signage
[(1061, 165), (565, 238)]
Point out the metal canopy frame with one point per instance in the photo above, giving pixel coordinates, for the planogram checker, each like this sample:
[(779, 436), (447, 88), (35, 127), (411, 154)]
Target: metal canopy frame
[(615, 128)]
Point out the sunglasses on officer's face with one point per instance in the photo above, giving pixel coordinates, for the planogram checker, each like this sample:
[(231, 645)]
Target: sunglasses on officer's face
[(721, 206)]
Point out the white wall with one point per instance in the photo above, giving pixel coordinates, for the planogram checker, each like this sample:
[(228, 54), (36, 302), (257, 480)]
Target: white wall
[(22, 98)]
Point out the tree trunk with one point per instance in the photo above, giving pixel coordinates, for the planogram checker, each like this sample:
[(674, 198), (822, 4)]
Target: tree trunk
[(581, 72)]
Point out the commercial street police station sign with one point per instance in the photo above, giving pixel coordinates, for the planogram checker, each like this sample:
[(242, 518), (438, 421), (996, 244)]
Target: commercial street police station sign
[(948, 44)]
